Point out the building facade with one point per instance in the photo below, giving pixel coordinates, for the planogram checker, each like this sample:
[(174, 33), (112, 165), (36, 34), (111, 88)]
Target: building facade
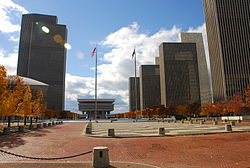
[(205, 89), (179, 77), (104, 107), (227, 23), (42, 55), (134, 98), (150, 94)]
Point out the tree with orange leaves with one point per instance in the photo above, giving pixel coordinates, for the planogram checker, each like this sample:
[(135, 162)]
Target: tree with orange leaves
[(247, 97), (208, 109), (3, 90), (235, 105)]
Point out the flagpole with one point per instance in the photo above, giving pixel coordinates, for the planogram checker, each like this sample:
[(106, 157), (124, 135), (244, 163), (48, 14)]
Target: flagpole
[(96, 84), (135, 91)]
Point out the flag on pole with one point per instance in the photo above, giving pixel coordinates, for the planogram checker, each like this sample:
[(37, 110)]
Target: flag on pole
[(133, 54), (93, 52)]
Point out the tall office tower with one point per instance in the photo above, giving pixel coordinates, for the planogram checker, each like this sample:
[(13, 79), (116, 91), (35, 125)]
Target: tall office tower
[(133, 96), (227, 23), (150, 93), (205, 90), (179, 77), (42, 55)]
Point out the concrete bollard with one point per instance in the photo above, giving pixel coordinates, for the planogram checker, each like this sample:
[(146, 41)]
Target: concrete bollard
[(232, 123), (201, 122), (20, 128), (111, 132), (162, 131), (88, 130), (100, 157), (44, 125), (228, 127), (215, 122), (6, 130)]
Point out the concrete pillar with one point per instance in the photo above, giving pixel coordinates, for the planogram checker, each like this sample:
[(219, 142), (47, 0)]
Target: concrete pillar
[(162, 131), (111, 132), (228, 127), (100, 157)]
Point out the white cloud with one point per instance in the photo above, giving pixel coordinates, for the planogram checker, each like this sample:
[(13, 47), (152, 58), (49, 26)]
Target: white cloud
[(8, 8), (12, 38), (9, 61), (9, 11)]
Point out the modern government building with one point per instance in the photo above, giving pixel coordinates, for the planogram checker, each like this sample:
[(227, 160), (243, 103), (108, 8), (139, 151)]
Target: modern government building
[(42, 55), (228, 32)]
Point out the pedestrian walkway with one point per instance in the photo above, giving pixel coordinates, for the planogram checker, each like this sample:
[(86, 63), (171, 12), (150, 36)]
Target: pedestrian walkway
[(144, 129)]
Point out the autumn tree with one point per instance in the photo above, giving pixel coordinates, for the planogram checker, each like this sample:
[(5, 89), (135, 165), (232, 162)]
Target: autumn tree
[(3, 86), (235, 105), (193, 109), (208, 109), (181, 110)]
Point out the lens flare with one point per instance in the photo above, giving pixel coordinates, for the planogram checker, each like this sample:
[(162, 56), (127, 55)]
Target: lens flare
[(45, 29), (58, 38), (67, 46)]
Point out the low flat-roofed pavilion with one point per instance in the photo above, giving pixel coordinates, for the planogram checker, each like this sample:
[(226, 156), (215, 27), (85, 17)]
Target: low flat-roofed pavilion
[(104, 107)]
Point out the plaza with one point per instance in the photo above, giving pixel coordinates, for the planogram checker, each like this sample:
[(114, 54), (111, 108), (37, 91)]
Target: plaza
[(213, 150)]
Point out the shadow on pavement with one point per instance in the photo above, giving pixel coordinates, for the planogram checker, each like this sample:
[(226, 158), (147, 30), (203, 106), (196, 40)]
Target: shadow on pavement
[(15, 140)]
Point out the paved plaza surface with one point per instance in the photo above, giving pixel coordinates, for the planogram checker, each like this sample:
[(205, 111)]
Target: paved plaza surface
[(143, 129), (230, 150)]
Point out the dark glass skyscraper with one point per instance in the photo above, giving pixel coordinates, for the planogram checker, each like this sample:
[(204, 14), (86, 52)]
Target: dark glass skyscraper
[(150, 91), (134, 97), (228, 32), (42, 55), (179, 77)]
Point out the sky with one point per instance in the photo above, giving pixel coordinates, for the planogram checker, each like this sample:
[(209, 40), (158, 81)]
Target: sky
[(116, 27)]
